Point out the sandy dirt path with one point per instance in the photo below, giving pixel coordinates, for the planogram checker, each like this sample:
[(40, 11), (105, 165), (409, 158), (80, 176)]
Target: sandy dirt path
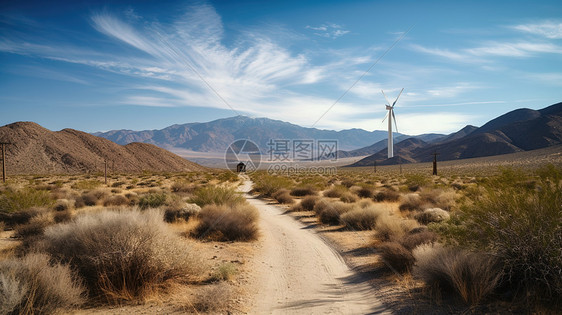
[(297, 272)]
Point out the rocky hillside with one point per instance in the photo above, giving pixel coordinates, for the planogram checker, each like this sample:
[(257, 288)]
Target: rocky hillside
[(36, 150)]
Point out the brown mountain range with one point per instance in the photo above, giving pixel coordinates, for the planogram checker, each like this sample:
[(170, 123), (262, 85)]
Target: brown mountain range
[(36, 150)]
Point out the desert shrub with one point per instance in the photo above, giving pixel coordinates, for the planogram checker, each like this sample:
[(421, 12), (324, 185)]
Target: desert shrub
[(182, 211), (216, 195), (92, 198), (87, 184), (347, 182), (283, 196), (308, 202), (304, 191), (335, 191), (213, 298), (62, 216), (349, 197), (365, 192), (473, 276), (133, 198), (329, 212), (32, 285), (182, 186), (36, 226), (64, 204), (416, 181), (23, 199), (413, 240), (152, 200), (225, 272), (362, 218), (520, 226), (410, 202), (116, 200), (20, 217), (391, 228), (386, 195), (432, 215), (118, 184), (396, 256), (266, 184), (122, 255), (238, 222)]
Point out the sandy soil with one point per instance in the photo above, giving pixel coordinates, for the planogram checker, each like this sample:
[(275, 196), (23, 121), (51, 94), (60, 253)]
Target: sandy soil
[(297, 272)]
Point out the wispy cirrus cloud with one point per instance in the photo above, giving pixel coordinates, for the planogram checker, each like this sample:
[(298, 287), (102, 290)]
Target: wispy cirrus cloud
[(548, 29), (328, 30)]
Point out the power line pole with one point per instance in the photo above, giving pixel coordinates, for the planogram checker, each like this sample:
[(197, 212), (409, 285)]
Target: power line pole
[(435, 154), (3, 145), (375, 166)]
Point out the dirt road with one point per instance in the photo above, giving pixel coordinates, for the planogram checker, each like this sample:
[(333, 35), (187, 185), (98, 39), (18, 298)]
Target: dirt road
[(298, 273)]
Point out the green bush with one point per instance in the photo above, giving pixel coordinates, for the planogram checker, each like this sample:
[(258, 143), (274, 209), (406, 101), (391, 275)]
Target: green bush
[(23, 199), (216, 195), (267, 185), (152, 200)]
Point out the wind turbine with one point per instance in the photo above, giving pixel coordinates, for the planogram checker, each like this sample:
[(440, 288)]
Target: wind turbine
[(391, 117)]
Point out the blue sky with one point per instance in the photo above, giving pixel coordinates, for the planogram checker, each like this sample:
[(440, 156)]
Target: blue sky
[(102, 65)]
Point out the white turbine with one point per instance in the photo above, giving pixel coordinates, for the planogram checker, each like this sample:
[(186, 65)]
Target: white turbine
[(391, 117)]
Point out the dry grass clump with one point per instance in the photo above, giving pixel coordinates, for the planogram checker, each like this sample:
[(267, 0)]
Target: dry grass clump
[(336, 191), (349, 197), (13, 200), (396, 256), (391, 228), (214, 298), (182, 186), (116, 200), (180, 211), (216, 195), (473, 276), (283, 196), (386, 195), (329, 212), (411, 202), (122, 255), (266, 185), (363, 218), (444, 199), (432, 215), (87, 184), (32, 285), (308, 202), (64, 204), (365, 192), (20, 217), (416, 238), (225, 272), (92, 198), (304, 191), (36, 225), (238, 222)]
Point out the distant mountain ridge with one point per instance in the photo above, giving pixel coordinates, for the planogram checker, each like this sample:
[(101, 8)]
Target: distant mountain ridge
[(215, 136), (36, 150), (516, 131)]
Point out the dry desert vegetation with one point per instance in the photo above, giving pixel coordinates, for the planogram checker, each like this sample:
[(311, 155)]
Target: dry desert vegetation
[(185, 242), (175, 242), (455, 243)]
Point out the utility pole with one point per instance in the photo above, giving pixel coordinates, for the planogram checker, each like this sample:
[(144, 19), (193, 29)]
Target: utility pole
[(435, 154), (400, 162), (375, 166), (3, 145), (105, 173)]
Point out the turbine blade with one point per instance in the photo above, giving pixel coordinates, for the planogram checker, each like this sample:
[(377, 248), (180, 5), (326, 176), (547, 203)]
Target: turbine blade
[(385, 117), (397, 97), (387, 101), (395, 125)]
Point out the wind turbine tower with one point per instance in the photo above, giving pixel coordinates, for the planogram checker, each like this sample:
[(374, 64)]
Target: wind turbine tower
[(391, 117)]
